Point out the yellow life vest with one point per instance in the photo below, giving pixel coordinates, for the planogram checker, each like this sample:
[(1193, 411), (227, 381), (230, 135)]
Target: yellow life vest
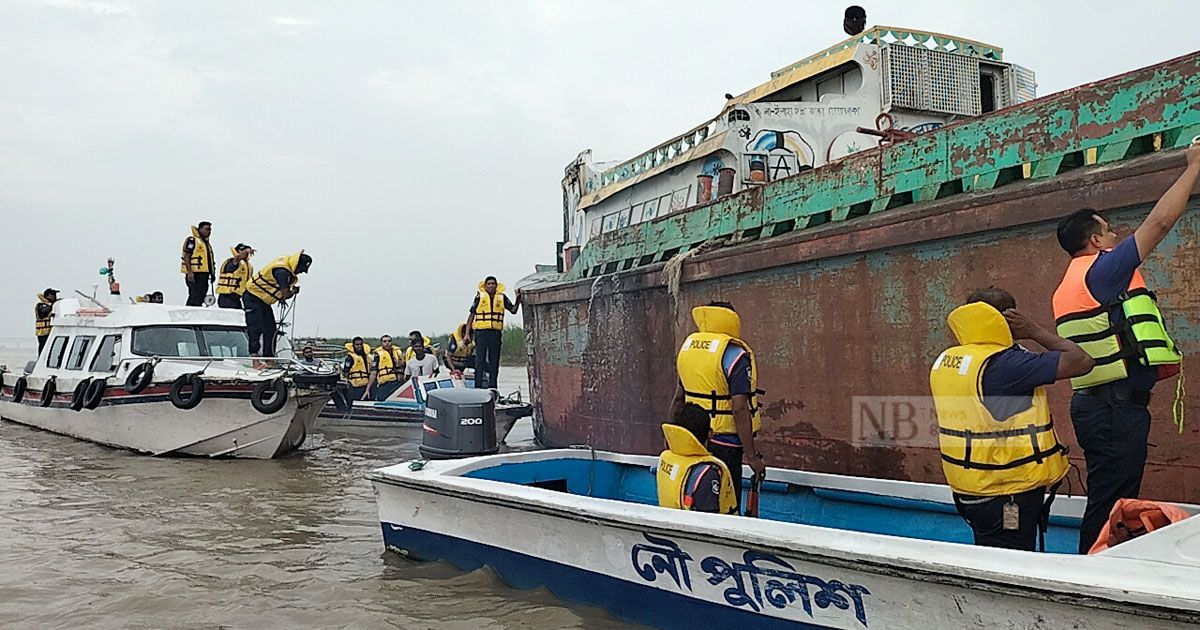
[(42, 324), (462, 348), (489, 313), (360, 372), (675, 466), (390, 366), (409, 353), (262, 285), (202, 260), (700, 370), (235, 281), (982, 456)]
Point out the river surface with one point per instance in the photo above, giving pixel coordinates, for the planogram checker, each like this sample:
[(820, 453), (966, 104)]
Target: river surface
[(92, 536)]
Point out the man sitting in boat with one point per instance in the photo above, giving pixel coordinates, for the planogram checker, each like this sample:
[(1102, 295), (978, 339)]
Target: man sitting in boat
[(460, 352), (415, 337), (421, 364), (1000, 454), (357, 368), (387, 367), (689, 477)]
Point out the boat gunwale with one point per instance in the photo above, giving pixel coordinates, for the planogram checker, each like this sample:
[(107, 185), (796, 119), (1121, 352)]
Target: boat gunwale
[(446, 477)]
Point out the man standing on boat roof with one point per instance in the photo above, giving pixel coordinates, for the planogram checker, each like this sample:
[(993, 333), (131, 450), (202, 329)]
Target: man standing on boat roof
[(357, 368), (1000, 454), (717, 371), (235, 275), (197, 263), (486, 325), (274, 283), (43, 311), (387, 367), (1103, 302)]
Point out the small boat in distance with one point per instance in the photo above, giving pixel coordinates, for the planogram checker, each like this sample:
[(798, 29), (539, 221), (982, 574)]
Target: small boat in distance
[(164, 380), (827, 551)]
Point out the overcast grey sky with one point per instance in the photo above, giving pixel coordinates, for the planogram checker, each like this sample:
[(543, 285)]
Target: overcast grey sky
[(410, 147)]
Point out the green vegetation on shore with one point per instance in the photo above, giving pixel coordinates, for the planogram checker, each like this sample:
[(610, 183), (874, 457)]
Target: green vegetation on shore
[(512, 349)]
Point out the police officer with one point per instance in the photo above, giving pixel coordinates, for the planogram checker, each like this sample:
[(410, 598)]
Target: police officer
[(357, 369), (688, 476), (197, 263), (485, 326), (1104, 303), (43, 311), (717, 371), (387, 367), (985, 389), (276, 282), (235, 275)]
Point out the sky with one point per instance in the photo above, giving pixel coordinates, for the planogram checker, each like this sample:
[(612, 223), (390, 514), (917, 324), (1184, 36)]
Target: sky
[(411, 148)]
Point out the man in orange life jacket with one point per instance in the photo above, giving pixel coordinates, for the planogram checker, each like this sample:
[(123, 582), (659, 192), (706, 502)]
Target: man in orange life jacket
[(1092, 305)]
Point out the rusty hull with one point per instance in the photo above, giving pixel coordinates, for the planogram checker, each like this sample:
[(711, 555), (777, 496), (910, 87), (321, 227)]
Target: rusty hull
[(857, 308)]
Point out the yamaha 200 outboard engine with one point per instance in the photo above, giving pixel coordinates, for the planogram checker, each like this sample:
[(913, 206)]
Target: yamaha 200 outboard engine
[(459, 422)]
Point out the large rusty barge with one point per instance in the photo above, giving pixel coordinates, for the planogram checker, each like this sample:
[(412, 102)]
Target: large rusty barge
[(844, 272)]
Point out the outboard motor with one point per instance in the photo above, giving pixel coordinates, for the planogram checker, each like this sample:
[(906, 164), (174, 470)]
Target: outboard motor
[(459, 422)]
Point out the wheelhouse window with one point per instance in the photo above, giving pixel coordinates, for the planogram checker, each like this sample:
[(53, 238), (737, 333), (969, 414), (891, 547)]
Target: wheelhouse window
[(58, 348), (79, 352), (190, 341), (106, 354)]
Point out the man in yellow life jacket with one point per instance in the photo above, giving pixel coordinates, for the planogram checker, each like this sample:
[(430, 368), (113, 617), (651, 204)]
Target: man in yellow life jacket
[(235, 275), (485, 325), (196, 263), (1000, 454), (387, 367), (460, 353), (689, 477), (43, 311), (717, 371), (276, 282), (357, 369), (1103, 303)]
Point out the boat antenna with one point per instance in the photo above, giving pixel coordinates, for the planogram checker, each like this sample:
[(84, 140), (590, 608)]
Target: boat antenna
[(92, 300)]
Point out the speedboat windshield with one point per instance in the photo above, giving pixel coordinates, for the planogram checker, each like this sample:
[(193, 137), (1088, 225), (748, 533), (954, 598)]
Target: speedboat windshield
[(190, 341)]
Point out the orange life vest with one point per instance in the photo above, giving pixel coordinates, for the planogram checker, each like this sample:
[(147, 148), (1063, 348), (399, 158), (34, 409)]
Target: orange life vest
[(1131, 518)]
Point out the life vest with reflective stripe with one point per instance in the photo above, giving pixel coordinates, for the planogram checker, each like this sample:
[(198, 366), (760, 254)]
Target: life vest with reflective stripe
[(489, 312), (675, 466), (262, 285), (391, 368), (462, 348), (702, 374), (41, 325), (234, 282), (360, 371), (1140, 337), (201, 254), (982, 456)]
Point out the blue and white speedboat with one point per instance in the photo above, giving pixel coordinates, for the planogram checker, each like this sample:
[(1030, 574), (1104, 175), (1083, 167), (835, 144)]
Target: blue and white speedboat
[(829, 551)]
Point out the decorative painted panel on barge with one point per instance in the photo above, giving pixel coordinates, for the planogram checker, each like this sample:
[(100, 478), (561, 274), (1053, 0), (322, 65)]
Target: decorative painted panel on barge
[(844, 273)]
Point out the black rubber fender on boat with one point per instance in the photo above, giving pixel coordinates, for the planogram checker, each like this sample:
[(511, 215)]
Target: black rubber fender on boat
[(48, 391), (95, 393), (139, 378), (19, 388), (80, 394), (341, 400), (270, 396), (195, 391)]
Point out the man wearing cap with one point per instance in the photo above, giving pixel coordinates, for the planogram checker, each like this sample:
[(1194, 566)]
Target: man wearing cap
[(42, 312), (235, 273)]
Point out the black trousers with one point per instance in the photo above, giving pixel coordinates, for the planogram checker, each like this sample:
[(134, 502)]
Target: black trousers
[(385, 390), (197, 289), (260, 326), (985, 515), (229, 300), (1113, 435), (487, 358), (42, 342), (731, 456)]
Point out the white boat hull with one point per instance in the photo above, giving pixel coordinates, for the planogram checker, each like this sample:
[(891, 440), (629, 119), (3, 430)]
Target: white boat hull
[(217, 427), (660, 567)]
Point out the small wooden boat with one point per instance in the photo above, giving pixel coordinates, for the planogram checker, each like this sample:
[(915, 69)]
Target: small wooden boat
[(828, 551)]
